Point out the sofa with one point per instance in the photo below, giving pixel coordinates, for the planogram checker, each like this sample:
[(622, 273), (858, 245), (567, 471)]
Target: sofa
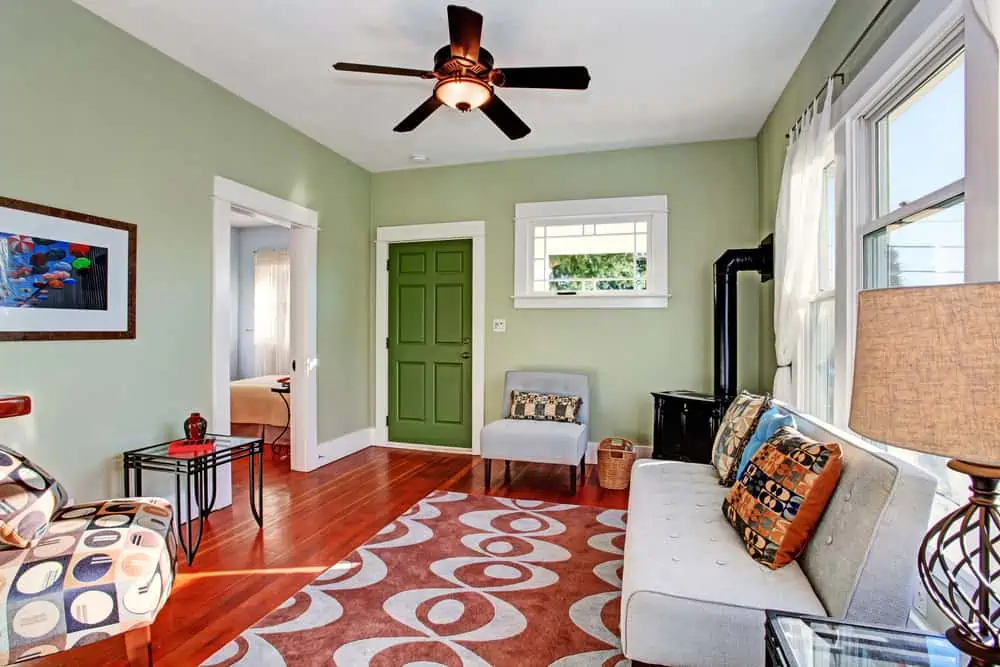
[(692, 596)]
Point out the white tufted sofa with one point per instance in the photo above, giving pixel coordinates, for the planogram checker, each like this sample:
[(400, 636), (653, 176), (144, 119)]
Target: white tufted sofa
[(691, 596)]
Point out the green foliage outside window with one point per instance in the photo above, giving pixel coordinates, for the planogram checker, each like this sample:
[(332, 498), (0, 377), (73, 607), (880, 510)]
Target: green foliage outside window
[(585, 273)]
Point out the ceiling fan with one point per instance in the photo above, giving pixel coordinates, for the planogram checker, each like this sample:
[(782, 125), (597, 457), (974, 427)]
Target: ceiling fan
[(466, 78)]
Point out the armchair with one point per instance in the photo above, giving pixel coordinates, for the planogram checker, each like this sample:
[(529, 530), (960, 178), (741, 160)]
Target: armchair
[(539, 441)]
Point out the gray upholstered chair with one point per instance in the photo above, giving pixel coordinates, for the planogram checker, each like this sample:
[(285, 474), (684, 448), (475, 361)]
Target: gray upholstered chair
[(539, 441)]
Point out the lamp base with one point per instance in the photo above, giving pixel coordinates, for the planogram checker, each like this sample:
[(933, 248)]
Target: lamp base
[(965, 586)]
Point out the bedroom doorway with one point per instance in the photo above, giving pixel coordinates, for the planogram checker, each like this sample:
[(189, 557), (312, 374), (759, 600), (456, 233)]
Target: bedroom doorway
[(264, 320)]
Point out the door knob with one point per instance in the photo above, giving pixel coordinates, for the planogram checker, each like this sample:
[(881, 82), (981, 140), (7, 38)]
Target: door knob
[(465, 355)]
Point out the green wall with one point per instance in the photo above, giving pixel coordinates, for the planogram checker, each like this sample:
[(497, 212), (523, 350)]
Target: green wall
[(712, 189), (93, 120), (843, 27)]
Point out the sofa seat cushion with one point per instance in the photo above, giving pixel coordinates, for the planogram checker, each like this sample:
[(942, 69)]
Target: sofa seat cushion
[(689, 589), (99, 570), (538, 441)]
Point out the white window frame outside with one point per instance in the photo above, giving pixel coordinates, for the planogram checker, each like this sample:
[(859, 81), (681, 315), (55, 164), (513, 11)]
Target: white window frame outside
[(653, 209), (805, 378)]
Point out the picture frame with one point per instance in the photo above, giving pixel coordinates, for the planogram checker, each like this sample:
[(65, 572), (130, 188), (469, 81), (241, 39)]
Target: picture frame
[(65, 275)]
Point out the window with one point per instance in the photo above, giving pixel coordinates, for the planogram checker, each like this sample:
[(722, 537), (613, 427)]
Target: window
[(915, 230), (272, 312), (818, 351), (599, 253)]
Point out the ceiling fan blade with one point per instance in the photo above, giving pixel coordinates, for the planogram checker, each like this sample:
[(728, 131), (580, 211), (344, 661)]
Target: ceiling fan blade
[(466, 29), (378, 69), (562, 78), (505, 118), (419, 115)]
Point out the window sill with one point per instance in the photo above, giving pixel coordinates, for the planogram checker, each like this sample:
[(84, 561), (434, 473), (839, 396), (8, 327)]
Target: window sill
[(588, 302)]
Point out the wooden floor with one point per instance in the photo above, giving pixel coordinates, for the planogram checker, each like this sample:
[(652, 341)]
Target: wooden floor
[(311, 521)]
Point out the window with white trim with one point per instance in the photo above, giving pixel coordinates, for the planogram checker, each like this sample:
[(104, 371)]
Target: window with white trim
[(914, 231), (817, 376), (596, 253)]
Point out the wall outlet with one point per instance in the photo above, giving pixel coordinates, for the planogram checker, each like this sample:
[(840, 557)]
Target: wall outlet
[(920, 601), (499, 326)]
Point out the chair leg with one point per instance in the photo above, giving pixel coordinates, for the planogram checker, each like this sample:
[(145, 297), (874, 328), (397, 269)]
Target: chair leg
[(583, 469), (572, 480), (488, 464), (139, 647), (506, 472)]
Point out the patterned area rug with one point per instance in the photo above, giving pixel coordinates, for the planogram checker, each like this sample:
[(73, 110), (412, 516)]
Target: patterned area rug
[(458, 580)]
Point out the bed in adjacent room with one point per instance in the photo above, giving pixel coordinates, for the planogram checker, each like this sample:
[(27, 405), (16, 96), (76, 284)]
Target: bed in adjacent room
[(256, 410)]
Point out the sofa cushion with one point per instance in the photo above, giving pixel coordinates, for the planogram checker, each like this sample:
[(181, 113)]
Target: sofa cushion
[(101, 569), (29, 497), (778, 502), (690, 594), (538, 441), (544, 407), (773, 419), (734, 433)]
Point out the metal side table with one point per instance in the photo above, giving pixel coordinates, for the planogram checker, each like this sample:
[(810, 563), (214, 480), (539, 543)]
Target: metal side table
[(199, 473)]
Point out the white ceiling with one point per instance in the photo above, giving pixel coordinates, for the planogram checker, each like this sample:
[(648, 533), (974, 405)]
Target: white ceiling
[(663, 71)]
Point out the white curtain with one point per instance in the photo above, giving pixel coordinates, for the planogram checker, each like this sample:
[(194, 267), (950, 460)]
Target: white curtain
[(796, 231), (988, 12), (272, 312)]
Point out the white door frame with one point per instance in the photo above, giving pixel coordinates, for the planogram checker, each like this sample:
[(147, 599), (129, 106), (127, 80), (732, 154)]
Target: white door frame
[(444, 231), (304, 225)]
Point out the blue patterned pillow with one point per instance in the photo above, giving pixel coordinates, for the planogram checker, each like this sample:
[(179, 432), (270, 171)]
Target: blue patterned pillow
[(773, 419)]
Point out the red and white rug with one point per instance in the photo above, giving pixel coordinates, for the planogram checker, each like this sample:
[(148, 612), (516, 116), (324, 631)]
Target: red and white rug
[(458, 580)]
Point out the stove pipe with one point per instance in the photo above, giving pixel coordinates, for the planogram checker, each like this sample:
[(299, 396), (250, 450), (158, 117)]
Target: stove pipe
[(760, 259)]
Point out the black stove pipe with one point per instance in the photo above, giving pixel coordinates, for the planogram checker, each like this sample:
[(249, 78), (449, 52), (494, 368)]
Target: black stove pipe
[(727, 267)]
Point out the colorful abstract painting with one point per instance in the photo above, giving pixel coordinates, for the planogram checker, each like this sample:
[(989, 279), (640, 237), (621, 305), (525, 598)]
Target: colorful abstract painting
[(48, 273)]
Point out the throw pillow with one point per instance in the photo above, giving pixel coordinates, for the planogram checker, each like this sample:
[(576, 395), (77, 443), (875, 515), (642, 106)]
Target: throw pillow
[(29, 497), (769, 422), (778, 502), (734, 433), (544, 407)]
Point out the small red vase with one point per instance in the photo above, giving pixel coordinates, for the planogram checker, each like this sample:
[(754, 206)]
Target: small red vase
[(195, 426)]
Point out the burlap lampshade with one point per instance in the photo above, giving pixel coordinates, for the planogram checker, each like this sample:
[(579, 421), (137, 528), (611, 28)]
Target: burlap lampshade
[(927, 370)]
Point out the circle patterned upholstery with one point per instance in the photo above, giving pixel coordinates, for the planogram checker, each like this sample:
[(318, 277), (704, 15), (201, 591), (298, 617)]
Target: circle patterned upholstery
[(100, 569)]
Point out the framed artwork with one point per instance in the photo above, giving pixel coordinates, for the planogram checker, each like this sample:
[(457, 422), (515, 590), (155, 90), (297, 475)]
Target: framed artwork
[(64, 275)]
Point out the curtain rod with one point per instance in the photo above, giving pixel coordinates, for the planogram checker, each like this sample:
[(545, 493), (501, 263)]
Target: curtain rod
[(837, 74)]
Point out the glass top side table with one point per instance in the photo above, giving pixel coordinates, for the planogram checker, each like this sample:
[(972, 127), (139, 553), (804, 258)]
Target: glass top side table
[(809, 641), (199, 474)]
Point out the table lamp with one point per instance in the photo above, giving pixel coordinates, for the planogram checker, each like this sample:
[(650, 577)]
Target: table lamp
[(927, 379)]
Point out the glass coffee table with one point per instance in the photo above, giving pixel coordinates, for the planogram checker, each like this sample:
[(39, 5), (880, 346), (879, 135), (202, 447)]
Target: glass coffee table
[(198, 471), (810, 641)]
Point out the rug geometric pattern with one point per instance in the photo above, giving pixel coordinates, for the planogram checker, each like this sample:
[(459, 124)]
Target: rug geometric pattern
[(458, 580)]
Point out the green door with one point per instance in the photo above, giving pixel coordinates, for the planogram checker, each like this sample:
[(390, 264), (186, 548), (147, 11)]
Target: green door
[(430, 343)]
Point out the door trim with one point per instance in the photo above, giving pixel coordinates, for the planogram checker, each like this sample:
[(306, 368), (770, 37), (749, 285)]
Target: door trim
[(301, 220), (445, 231)]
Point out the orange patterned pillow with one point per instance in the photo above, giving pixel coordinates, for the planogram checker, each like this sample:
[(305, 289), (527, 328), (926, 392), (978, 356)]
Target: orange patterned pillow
[(778, 502)]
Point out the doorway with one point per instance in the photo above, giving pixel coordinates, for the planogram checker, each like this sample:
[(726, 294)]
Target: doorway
[(429, 352), (233, 200), (430, 343)]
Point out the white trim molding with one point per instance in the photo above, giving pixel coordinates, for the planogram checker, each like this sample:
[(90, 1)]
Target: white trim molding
[(304, 225), (651, 209), (384, 236), (345, 445), (437, 449)]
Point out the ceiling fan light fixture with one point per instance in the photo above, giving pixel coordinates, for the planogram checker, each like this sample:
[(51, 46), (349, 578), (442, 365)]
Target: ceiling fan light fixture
[(463, 93)]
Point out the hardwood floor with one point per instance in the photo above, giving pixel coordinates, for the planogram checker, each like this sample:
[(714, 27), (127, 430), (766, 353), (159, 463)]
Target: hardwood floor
[(311, 521)]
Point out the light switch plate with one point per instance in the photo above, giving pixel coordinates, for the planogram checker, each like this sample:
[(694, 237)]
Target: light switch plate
[(499, 326)]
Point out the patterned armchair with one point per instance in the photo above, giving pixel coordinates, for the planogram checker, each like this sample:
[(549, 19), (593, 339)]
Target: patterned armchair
[(75, 575)]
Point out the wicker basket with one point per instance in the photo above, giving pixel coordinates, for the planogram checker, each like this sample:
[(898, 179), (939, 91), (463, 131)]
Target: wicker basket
[(615, 457)]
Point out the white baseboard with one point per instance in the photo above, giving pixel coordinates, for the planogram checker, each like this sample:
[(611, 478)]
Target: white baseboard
[(345, 445), (641, 452), (440, 449)]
